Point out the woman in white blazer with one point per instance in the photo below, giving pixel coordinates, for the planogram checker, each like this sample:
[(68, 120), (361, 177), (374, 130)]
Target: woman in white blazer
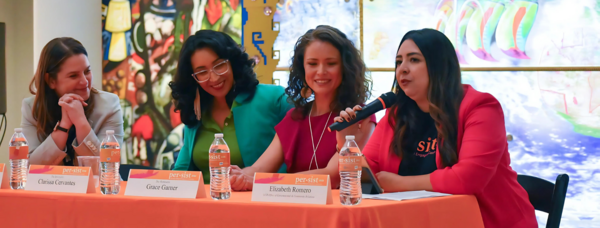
[(67, 117)]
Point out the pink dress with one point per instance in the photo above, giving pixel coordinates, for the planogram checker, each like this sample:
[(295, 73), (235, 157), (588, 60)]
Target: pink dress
[(297, 144)]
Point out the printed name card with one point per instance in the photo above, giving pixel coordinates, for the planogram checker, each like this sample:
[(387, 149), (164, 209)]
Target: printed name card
[(68, 179), (4, 181), (165, 183), (291, 188)]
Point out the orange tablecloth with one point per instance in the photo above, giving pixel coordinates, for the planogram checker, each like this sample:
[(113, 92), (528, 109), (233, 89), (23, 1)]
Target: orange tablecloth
[(20, 208)]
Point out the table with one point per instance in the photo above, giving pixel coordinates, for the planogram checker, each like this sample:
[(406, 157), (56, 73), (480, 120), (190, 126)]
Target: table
[(19, 208)]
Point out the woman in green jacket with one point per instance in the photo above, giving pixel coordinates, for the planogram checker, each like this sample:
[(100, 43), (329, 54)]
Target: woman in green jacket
[(215, 90)]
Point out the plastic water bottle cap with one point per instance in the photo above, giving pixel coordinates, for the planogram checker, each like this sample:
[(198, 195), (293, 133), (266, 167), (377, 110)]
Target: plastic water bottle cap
[(349, 137), (219, 135), (19, 130), (110, 132)]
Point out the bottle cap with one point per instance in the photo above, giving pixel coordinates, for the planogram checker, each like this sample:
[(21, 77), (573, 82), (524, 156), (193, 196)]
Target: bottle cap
[(219, 135), (110, 132), (349, 137), (18, 130)]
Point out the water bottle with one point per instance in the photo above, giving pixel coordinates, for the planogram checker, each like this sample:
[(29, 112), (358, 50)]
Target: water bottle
[(350, 170), (18, 153), (110, 160), (218, 161)]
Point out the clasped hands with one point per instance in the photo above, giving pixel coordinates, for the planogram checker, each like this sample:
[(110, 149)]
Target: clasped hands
[(241, 179), (72, 110)]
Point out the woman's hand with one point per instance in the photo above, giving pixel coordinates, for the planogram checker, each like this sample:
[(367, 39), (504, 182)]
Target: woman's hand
[(65, 121), (241, 179), (72, 109), (355, 129), (391, 182)]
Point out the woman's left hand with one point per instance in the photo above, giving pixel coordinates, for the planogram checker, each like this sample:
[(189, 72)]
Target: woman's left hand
[(390, 182)]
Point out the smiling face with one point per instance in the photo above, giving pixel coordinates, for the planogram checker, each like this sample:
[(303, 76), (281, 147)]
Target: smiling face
[(217, 85), (411, 71), (74, 76), (322, 67)]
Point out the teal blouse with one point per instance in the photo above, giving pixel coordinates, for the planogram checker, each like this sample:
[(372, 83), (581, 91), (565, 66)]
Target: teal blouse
[(254, 122)]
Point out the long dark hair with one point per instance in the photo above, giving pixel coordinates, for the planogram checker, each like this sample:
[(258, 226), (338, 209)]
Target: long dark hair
[(445, 94), (184, 86), (46, 110), (355, 87)]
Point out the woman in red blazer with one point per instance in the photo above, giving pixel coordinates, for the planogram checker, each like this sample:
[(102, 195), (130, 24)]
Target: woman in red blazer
[(443, 136)]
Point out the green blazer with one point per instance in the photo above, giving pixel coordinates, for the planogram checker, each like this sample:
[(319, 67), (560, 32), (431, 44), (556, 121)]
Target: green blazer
[(255, 122)]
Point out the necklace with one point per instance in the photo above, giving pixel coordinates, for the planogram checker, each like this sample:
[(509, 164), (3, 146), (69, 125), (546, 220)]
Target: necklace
[(314, 157)]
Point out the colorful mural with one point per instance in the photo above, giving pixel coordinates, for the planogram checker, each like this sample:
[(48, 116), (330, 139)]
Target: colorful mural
[(141, 40), (489, 33), (295, 17), (477, 23), (260, 32)]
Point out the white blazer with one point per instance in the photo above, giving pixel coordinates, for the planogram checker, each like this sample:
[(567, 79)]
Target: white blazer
[(107, 115)]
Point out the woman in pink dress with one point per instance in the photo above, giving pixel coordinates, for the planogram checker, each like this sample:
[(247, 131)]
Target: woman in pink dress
[(327, 75)]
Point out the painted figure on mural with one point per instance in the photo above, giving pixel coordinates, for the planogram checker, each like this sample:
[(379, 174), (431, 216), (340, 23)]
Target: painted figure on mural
[(141, 43)]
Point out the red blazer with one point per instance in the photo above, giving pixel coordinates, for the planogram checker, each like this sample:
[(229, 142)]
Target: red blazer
[(483, 167)]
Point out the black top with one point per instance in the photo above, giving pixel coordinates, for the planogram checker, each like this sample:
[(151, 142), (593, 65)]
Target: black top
[(422, 144), (68, 160)]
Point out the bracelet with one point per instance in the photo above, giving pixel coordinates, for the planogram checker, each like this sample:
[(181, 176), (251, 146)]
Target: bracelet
[(59, 128)]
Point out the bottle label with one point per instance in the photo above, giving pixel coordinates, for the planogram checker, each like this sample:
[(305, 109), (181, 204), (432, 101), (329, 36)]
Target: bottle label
[(110, 155), (218, 160), (350, 163), (219, 147), (18, 152)]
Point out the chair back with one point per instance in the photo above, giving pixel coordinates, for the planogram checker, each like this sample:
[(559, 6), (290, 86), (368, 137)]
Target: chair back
[(546, 196)]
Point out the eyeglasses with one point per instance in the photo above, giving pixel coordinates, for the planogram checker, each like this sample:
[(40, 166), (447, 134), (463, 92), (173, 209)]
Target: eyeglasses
[(219, 69)]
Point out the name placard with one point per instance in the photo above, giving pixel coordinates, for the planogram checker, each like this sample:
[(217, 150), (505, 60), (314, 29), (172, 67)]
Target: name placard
[(291, 188), (69, 179), (4, 181), (165, 183)]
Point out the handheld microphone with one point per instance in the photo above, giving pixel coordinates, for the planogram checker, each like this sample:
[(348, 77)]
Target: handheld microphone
[(384, 101)]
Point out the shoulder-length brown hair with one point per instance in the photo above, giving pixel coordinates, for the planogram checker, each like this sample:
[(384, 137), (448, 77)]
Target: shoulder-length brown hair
[(46, 110), (356, 85), (445, 93)]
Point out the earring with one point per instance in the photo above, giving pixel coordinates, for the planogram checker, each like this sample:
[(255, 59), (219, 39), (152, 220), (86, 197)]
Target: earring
[(306, 92), (197, 109)]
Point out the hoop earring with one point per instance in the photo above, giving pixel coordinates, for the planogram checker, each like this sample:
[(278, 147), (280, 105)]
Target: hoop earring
[(197, 109)]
